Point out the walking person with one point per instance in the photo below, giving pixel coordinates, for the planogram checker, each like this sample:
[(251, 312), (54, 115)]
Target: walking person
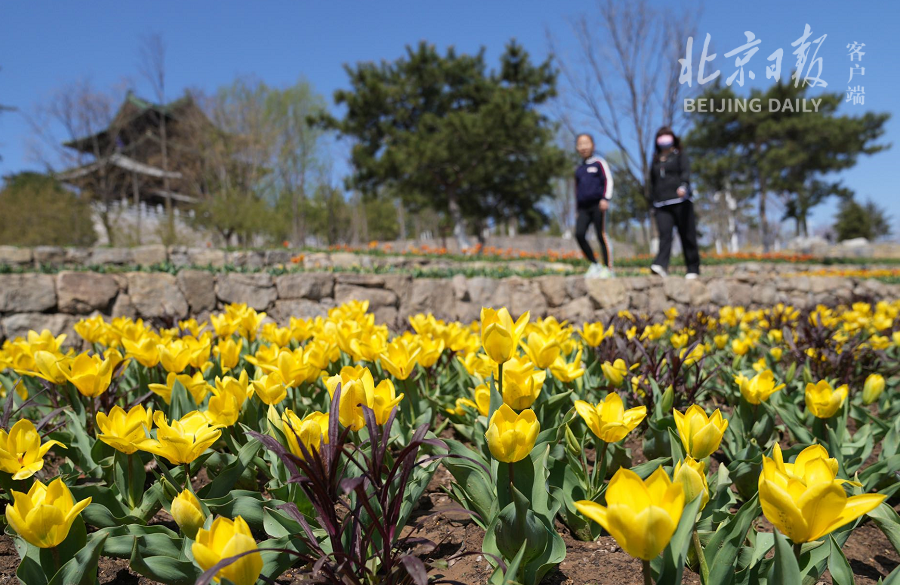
[(593, 190), (670, 193)]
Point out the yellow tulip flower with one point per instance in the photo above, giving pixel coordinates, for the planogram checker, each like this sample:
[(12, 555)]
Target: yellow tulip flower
[(385, 399), (174, 356), (145, 350), (461, 405), (188, 513), (541, 349), (290, 364), (804, 458), (594, 334), (311, 431), (758, 388), (121, 430), (640, 514), (679, 340), (567, 372), (776, 353), (614, 372), (477, 364), (182, 441), (720, 340), (44, 515), (270, 388), (224, 324), (500, 335), (823, 401), (522, 383), (873, 388), (430, 350), (482, 395), (280, 336), (808, 503), (90, 374), (609, 420), (740, 346), (691, 474), (223, 410), (511, 436), (700, 434), (238, 387), (229, 352), (227, 538), (357, 389), (196, 385), (21, 451), (399, 358)]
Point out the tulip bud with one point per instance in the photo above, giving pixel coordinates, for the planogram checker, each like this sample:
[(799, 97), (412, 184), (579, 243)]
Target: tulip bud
[(807, 375), (572, 442), (873, 388), (792, 371), (668, 399), (188, 513), (692, 476)]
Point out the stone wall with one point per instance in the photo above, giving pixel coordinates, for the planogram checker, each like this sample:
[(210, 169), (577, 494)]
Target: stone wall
[(56, 301)]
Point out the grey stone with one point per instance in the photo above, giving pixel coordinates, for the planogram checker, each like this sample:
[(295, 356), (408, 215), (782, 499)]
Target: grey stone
[(247, 259), (739, 294), (526, 295), (305, 285), (27, 292), (123, 307), (316, 261), (488, 292), (20, 324), (83, 292), (363, 279), (348, 260), (149, 255), (718, 292), (460, 287), (554, 289), (765, 295), (430, 295), (577, 311), (657, 301), (401, 284), (15, 256), (467, 312), (387, 316), (206, 257), (575, 286), (278, 257), (256, 290), (49, 255), (607, 293), (156, 294), (77, 256), (115, 256), (198, 288), (687, 292), (377, 297), (300, 308)]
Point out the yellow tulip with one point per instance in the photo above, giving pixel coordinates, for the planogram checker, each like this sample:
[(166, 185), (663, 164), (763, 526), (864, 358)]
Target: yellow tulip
[(44, 515), (541, 349), (238, 387), (311, 431), (227, 538), (691, 474), (291, 366), (385, 399), (823, 401), (500, 335), (182, 441), (121, 430), (640, 514), (758, 388), (614, 372), (89, 374), (229, 352), (357, 390), (873, 388), (511, 437), (567, 372), (522, 383), (21, 451), (808, 503), (145, 350), (804, 458), (740, 346), (196, 385), (609, 420), (188, 513), (594, 334), (461, 405), (431, 350), (679, 340), (482, 396), (700, 434), (174, 356), (776, 353), (720, 340), (270, 388), (477, 364), (399, 358)]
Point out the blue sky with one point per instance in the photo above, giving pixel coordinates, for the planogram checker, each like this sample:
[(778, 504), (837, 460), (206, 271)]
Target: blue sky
[(45, 45)]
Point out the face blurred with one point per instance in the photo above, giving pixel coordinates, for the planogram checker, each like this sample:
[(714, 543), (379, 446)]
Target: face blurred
[(585, 146)]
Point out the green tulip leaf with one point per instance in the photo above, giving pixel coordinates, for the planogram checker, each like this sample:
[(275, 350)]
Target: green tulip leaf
[(82, 568), (165, 569), (784, 568)]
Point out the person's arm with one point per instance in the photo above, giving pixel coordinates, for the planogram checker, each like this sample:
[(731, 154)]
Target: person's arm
[(607, 180), (684, 167)]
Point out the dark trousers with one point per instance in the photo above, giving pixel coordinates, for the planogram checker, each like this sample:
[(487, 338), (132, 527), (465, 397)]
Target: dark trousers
[(583, 220), (681, 216)]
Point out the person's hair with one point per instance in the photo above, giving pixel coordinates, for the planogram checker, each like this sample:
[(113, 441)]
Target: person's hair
[(589, 137), (676, 144)]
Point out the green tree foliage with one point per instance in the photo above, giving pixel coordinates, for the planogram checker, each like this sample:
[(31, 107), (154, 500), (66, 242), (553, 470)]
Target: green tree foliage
[(782, 152), (37, 211), (855, 220), (443, 132)]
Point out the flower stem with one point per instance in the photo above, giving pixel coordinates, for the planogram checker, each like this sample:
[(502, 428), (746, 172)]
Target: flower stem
[(500, 378), (599, 473), (187, 475), (648, 576), (701, 559), (512, 479), (797, 550)]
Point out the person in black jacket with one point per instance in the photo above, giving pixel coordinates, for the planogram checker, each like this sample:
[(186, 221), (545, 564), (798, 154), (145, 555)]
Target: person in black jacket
[(593, 190), (670, 192)]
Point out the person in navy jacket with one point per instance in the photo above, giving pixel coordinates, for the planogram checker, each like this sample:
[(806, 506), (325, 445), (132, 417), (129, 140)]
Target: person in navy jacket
[(593, 190)]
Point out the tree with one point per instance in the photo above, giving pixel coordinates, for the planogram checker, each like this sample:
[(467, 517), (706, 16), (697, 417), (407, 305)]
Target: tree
[(37, 211), (623, 81), (854, 220), (443, 133)]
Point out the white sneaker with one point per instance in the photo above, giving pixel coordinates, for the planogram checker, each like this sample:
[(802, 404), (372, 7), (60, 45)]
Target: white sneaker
[(691, 276), (593, 271), (658, 270)]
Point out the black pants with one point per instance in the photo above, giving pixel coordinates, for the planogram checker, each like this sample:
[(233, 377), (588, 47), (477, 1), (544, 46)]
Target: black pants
[(681, 216), (583, 220)]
